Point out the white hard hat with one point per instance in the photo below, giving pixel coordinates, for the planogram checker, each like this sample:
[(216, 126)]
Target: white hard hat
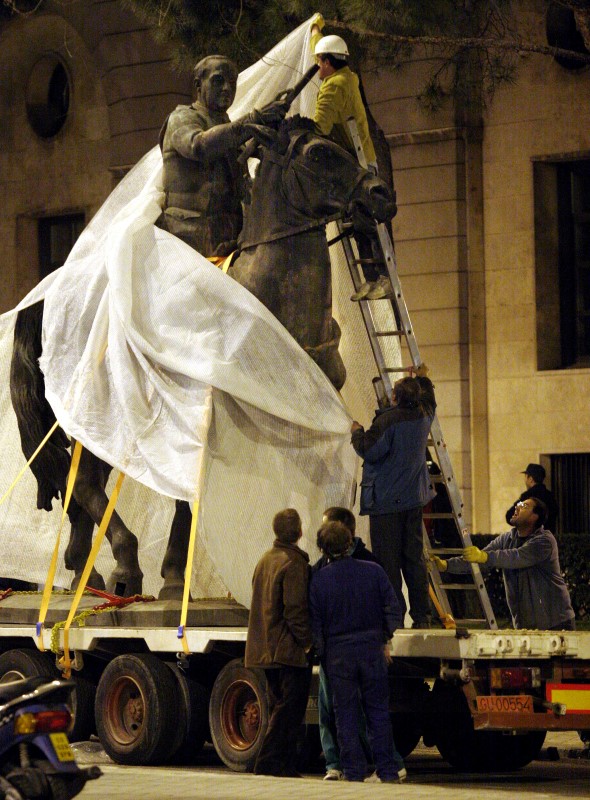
[(334, 45)]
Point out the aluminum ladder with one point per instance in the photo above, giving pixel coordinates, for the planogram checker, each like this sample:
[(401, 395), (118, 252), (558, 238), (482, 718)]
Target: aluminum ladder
[(447, 489)]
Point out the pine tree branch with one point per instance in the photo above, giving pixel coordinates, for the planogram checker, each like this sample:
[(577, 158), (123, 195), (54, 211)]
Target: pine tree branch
[(463, 42)]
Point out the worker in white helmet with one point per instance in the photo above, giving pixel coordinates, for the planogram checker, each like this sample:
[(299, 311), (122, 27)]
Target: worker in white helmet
[(338, 99)]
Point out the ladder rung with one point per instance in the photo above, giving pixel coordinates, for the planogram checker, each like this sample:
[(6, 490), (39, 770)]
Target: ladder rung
[(437, 478), (462, 623), (362, 261), (388, 333), (439, 515), (395, 369), (456, 586), (448, 551)]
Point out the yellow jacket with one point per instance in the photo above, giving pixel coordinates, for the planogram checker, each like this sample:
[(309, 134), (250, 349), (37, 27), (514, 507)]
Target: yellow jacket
[(338, 99)]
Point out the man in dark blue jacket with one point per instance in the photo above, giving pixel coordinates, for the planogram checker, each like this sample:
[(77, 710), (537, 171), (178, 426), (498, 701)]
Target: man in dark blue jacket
[(396, 486), (354, 613)]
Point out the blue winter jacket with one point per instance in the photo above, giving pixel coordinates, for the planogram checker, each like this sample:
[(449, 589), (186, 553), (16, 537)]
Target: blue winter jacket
[(395, 475), (352, 602)]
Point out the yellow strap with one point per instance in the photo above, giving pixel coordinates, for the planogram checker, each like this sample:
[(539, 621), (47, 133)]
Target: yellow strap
[(66, 662), (229, 261), (30, 461), (48, 588), (187, 578)]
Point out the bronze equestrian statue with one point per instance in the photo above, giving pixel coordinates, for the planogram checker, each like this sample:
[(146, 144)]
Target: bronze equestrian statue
[(303, 181)]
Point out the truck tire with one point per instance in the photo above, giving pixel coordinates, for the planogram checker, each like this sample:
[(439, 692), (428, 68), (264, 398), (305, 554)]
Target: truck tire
[(469, 750), (407, 732), (136, 709), (28, 663), (193, 723), (238, 714)]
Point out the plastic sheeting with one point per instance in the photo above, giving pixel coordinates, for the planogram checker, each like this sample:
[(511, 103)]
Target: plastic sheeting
[(162, 365)]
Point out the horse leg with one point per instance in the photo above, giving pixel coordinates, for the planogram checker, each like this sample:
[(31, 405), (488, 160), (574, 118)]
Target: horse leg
[(79, 547), (174, 563), (126, 578)]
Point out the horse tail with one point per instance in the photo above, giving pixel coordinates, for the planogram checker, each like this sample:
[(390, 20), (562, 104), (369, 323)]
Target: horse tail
[(34, 415)]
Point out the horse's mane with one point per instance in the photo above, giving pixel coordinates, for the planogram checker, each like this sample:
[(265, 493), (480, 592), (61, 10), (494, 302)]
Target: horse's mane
[(294, 123)]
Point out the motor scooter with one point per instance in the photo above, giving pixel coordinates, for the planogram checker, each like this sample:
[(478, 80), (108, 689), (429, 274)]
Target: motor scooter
[(36, 760)]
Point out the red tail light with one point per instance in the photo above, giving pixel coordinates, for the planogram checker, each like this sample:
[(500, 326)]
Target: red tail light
[(43, 722)]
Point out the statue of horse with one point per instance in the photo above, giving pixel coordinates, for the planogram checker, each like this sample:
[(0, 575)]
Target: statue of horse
[(302, 182)]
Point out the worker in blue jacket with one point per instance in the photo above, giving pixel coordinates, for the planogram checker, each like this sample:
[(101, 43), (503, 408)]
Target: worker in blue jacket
[(396, 486), (354, 613)]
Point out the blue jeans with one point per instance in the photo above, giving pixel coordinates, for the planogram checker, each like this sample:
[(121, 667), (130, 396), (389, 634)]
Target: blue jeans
[(327, 724), (352, 670)]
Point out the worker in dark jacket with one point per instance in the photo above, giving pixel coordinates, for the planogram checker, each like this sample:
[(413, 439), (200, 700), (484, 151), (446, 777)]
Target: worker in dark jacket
[(354, 613), (534, 477), (536, 592), (279, 638), (395, 487), (326, 719)]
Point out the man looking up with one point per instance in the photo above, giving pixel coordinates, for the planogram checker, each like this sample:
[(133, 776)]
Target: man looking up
[(396, 486), (279, 638), (536, 592), (534, 478), (203, 181)]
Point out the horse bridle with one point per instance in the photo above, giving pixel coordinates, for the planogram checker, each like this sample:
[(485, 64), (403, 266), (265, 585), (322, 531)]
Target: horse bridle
[(284, 161)]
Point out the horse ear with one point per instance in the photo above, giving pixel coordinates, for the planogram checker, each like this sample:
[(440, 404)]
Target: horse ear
[(264, 136)]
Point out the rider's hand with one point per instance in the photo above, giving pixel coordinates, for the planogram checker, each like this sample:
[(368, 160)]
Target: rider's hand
[(475, 555), (271, 114)]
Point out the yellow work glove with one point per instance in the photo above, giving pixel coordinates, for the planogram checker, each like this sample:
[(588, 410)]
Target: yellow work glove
[(440, 563), (475, 555), (319, 21)]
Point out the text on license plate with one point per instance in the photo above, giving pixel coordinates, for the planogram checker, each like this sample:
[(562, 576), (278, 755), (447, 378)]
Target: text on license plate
[(517, 704), (62, 748)]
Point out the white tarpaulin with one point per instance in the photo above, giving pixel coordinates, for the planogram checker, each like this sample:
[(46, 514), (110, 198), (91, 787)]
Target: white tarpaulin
[(155, 360)]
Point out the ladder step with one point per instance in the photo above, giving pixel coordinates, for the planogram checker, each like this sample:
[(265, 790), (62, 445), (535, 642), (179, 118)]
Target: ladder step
[(463, 623), (395, 369), (447, 551), (388, 333), (439, 515), (456, 586), (362, 261)]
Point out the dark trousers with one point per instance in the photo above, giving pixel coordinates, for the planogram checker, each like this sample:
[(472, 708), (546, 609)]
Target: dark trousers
[(360, 670), (396, 540), (288, 690)]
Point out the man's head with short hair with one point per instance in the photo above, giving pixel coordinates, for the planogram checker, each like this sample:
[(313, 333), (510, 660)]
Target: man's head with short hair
[(214, 82), (287, 526), (529, 515), (340, 514), (406, 393), (335, 539)]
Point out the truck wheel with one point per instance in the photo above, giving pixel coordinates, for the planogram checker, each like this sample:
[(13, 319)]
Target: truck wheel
[(27, 663), (136, 709), (193, 723), (238, 714), (469, 750), (15, 665), (407, 732)]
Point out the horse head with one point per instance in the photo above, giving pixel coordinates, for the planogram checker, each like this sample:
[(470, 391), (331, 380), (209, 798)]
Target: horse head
[(321, 179)]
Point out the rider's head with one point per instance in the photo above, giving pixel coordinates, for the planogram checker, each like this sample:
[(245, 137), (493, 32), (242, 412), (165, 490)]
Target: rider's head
[(214, 81)]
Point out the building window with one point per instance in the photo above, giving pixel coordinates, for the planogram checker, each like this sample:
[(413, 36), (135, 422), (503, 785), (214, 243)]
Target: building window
[(562, 263), (48, 97), (570, 483), (57, 236)]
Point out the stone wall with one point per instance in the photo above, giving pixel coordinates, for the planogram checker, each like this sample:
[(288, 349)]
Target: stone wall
[(121, 87)]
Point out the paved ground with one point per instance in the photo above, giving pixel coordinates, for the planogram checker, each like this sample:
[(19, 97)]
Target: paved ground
[(558, 774)]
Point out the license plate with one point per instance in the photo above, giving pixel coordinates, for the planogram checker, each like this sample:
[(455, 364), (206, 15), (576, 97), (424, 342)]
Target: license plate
[(515, 704), (62, 748)]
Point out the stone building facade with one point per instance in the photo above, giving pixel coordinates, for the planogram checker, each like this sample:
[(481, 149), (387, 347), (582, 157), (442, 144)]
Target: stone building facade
[(491, 218)]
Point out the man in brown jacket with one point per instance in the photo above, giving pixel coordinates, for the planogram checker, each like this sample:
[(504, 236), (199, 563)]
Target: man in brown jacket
[(279, 638)]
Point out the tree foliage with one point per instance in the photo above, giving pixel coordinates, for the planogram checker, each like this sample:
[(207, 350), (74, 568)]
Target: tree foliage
[(470, 41)]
